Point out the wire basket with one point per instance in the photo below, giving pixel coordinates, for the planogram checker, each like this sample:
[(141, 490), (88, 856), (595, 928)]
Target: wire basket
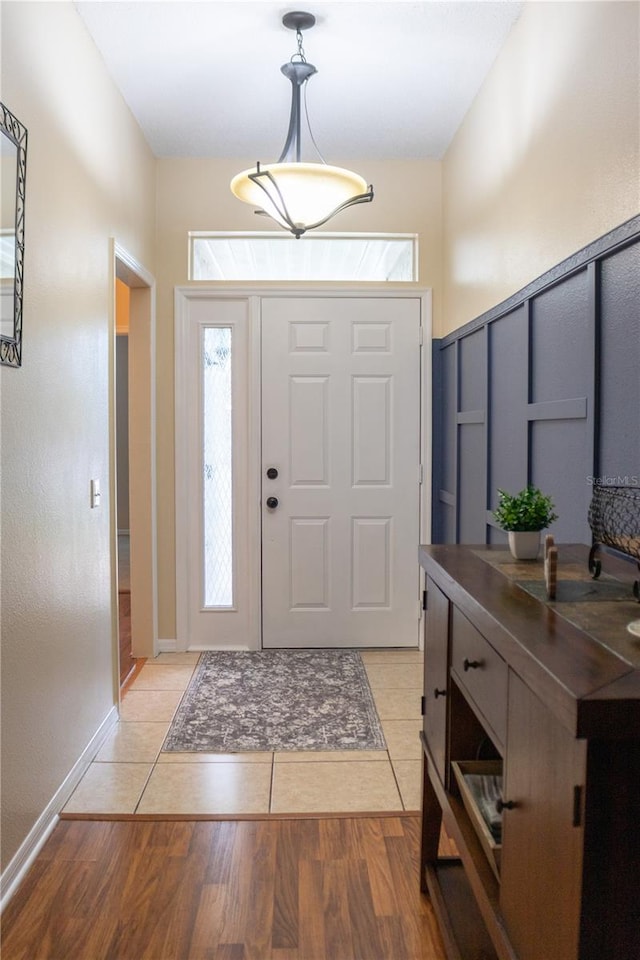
[(614, 518)]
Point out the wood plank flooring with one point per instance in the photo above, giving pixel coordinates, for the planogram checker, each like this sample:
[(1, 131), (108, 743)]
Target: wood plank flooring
[(306, 889)]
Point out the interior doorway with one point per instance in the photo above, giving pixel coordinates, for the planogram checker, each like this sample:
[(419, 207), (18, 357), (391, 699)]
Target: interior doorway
[(132, 475), (126, 661)]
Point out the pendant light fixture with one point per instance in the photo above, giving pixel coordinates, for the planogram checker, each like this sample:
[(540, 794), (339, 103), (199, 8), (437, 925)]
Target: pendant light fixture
[(299, 195)]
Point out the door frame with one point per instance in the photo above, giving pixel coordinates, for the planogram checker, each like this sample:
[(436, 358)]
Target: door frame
[(254, 295), (142, 497)]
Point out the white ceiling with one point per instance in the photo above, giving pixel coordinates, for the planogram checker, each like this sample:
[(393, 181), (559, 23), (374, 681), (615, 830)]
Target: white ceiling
[(395, 79)]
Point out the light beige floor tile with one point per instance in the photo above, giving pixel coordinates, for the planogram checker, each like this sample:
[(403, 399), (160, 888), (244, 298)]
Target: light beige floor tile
[(200, 788), (394, 675), (163, 677), (392, 656), (403, 741), (409, 776), (326, 756), (184, 658), (150, 705), (133, 743), (109, 788), (397, 704), (170, 757), (334, 787)]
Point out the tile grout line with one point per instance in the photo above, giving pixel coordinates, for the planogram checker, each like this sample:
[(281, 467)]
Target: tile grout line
[(146, 784), (155, 762), (393, 773), (153, 765)]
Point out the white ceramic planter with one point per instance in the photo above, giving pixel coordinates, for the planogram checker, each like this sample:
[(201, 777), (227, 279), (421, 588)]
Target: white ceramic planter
[(524, 544)]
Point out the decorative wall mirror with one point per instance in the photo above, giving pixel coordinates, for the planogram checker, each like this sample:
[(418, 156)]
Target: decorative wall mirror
[(13, 170)]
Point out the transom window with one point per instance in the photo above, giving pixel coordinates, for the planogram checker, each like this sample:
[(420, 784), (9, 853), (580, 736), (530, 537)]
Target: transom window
[(390, 257)]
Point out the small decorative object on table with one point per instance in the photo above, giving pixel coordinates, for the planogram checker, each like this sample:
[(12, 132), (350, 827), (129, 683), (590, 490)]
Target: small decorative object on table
[(614, 518), (523, 515), (550, 566)]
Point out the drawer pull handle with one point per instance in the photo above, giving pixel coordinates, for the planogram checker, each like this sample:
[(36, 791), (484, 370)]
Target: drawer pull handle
[(504, 805), (439, 693), (471, 664)]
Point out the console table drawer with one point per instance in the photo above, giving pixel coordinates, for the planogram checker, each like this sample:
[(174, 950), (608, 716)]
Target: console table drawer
[(481, 673)]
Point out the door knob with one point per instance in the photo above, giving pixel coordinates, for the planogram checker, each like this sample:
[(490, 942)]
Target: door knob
[(272, 473), (272, 502)]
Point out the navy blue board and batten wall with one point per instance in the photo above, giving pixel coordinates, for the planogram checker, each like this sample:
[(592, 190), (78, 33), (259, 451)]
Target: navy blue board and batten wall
[(544, 389)]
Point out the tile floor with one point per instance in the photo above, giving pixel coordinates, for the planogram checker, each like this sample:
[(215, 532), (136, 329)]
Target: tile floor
[(130, 774)]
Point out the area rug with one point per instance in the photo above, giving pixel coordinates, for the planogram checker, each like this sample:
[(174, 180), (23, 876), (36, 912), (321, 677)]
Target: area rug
[(273, 700)]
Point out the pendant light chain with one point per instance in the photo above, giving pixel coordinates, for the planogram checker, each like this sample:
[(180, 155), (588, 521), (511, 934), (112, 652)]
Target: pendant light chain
[(300, 54)]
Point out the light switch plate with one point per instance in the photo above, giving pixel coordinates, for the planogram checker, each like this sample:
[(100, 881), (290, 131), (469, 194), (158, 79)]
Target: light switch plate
[(95, 493)]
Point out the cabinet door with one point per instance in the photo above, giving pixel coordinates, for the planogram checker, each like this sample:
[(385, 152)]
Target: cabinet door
[(542, 846), (436, 653)]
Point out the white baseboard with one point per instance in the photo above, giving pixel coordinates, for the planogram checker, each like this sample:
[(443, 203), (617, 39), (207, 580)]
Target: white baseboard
[(167, 646), (35, 839), (234, 647)]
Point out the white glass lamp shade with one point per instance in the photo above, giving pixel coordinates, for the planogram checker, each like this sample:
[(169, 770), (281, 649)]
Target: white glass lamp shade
[(310, 192)]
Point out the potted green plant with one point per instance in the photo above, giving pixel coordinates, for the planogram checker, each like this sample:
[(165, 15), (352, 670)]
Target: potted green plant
[(523, 515)]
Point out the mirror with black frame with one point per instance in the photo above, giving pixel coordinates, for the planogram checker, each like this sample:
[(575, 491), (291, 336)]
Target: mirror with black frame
[(13, 169)]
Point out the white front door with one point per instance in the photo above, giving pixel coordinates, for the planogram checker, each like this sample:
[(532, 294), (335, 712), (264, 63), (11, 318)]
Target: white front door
[(341, 429), (336, 398)]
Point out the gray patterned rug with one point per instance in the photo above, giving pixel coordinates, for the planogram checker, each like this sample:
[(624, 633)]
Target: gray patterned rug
[(271, 700)]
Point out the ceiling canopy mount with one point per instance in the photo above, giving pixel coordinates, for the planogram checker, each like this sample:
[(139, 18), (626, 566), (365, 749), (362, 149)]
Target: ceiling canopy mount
[(298, 20)]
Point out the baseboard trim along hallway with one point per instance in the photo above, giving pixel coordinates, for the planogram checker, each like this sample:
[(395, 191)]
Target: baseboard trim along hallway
[(29, 849)]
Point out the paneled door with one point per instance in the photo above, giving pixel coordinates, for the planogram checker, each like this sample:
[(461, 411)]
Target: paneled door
[(340, 471)]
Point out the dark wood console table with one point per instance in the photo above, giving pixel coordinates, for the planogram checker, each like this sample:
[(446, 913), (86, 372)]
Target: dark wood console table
[(546, 694)]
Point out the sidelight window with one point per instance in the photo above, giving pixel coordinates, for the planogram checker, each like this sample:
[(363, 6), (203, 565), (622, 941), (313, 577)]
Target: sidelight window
[(217, 459)]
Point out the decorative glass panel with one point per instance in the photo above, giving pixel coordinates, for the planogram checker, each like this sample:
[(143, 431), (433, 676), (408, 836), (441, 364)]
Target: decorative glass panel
[(217, 480)]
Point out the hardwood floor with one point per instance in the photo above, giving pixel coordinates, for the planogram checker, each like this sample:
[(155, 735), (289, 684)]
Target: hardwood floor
[(305, 889)]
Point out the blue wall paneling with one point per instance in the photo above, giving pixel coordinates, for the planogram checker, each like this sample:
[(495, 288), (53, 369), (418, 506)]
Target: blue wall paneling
[(543, 389)]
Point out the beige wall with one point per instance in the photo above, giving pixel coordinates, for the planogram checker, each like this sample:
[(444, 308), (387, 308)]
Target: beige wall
[(195, 195), (90, 176), (8, 170), (547, 159)]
